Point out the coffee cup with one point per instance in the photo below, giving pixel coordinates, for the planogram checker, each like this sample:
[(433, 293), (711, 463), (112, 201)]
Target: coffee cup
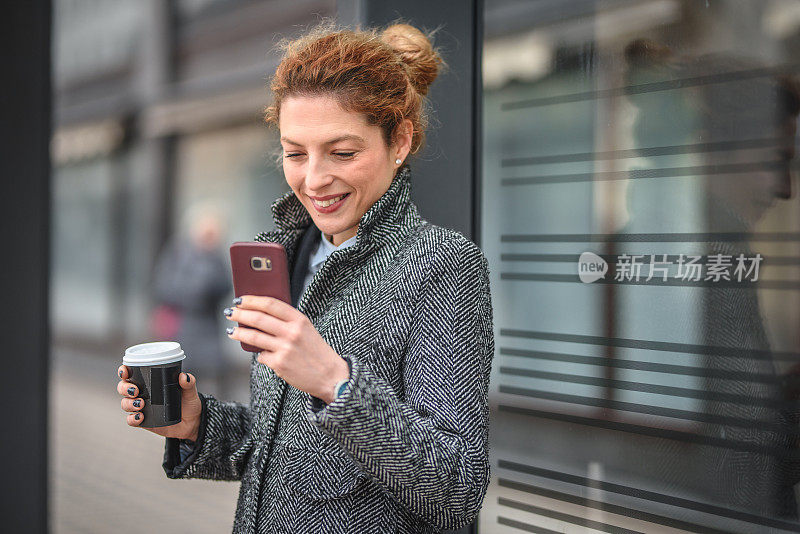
[(155, 369)]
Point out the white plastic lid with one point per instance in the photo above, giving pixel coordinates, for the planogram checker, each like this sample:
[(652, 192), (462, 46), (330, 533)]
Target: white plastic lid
[(155, 353)]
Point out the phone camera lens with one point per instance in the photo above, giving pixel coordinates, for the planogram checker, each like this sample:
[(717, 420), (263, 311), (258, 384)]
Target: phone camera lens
[(257, 264)]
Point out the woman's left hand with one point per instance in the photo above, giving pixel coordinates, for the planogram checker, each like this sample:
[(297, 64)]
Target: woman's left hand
[(292, 346)]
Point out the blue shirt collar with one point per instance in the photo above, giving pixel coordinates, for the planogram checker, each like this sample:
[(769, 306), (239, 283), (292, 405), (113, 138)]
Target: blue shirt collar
[(325, 248)]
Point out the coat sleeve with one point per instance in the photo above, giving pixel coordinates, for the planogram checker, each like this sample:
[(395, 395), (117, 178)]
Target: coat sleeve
[(430, 450), (223, 447)]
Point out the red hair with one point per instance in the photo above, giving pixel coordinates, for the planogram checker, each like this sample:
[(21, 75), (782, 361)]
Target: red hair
[(384, 75)]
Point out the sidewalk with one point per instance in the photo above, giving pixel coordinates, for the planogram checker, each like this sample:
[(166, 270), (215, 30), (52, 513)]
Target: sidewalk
[(103, 473)]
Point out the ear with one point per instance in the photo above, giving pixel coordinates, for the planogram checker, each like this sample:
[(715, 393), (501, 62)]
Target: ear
[(405, 133)]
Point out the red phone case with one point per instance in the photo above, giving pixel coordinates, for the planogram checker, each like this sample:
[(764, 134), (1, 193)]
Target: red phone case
[(260, 269)]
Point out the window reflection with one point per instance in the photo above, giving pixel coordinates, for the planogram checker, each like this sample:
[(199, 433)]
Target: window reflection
[(657, 130), (737, 117)]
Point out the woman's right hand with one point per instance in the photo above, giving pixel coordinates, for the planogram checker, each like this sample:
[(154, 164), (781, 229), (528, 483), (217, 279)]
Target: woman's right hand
[(191, 406)]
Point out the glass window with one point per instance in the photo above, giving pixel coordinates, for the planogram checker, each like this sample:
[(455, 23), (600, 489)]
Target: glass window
[(82, 221), (641, 222), (236, 169), (93, 38)]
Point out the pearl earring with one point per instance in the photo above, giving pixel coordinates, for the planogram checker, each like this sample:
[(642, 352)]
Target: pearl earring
[(398, 161)]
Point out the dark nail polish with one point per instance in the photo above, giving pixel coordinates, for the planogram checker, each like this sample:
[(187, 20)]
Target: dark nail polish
[(137, 403), (229, 330), (237, 301), (131, 391), (137, 416), (120, 373), (228, 312), (188, 378)]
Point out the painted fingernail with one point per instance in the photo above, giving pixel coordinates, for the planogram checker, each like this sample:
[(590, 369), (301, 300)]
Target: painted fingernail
[(229, 330), (137, 416), (228, 312), (188, 378), (137, 403), (237, 301), (131, 391), (120, 373)]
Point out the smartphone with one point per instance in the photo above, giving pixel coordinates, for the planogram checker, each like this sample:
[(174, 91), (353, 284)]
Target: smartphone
[(260, 269)]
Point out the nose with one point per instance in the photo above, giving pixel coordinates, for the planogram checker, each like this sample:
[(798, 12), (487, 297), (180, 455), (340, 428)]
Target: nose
[(317, 175), (783, 179), (783, 188)]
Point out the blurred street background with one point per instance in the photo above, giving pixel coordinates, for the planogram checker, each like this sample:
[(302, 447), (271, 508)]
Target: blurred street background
[(160, 161), (106, 476)]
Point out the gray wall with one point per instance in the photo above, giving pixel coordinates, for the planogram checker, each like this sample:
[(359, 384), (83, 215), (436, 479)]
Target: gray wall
[(446, 170)]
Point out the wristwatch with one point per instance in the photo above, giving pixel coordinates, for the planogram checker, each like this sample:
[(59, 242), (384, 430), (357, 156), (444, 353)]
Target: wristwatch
[(339, 388)]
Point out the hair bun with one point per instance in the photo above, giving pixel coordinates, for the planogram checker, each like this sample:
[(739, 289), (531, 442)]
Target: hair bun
[(416, 51), (645, 52)]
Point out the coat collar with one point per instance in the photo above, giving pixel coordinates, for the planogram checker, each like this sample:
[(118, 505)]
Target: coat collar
[(380, 223)]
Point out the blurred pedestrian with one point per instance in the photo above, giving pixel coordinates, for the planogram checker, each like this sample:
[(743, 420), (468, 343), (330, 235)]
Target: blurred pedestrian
[(191, 280)]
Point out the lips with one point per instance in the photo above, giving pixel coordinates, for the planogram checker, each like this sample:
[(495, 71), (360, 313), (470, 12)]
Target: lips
[(330, 203)]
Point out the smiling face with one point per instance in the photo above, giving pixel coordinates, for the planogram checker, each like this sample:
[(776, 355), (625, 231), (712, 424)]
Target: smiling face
[(337, 165)]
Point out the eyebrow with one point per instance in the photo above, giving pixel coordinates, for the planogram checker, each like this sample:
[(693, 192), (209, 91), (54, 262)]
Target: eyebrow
[(345, 137)]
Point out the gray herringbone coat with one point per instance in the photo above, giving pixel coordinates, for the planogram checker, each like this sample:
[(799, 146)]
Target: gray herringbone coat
[(405, 447)]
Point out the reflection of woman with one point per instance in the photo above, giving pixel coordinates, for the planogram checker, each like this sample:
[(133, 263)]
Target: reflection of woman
[(383, 426), (744, 128)]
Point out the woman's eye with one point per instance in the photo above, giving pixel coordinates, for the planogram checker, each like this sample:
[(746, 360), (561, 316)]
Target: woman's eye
[(339, 154)]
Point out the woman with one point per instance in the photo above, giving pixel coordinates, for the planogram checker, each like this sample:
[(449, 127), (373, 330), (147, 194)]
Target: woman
[(368, 407)]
